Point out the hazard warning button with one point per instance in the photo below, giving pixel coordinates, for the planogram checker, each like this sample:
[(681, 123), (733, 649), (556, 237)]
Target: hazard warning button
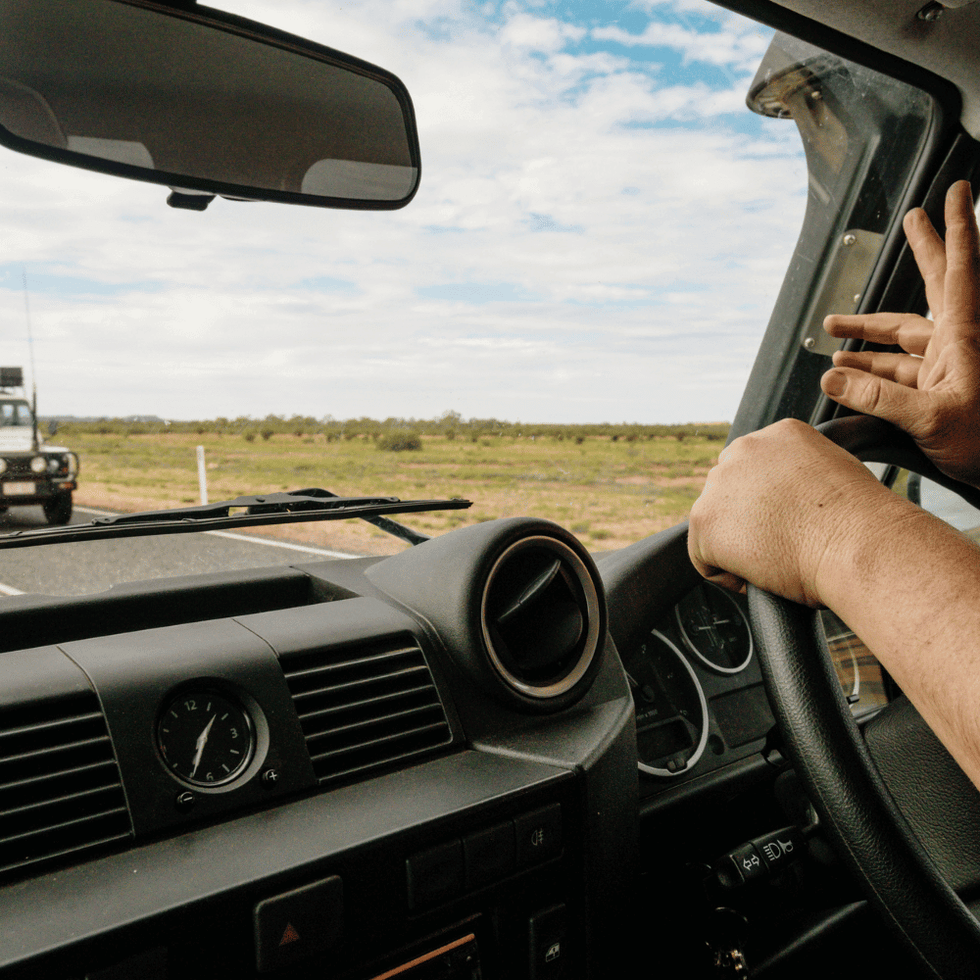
[(298, 923)]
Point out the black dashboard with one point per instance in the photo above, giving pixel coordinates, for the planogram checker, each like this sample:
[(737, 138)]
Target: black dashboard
[(423, 765), (270, 771)]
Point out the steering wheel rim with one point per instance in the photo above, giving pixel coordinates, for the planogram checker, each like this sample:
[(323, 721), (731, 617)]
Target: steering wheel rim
[(830, 756)]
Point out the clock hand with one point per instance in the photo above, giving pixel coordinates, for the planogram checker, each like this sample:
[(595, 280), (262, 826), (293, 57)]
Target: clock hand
[(202, 740)]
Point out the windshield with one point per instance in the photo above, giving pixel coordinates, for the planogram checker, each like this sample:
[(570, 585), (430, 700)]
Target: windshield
[(15, 413), (561, 323)]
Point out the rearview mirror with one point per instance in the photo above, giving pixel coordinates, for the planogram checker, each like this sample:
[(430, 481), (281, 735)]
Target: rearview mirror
[(204, 102)]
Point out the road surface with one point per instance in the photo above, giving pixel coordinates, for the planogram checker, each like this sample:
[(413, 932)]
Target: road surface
[(94, 566)]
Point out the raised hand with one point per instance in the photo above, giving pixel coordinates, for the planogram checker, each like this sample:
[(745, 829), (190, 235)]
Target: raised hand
[(932, 391)]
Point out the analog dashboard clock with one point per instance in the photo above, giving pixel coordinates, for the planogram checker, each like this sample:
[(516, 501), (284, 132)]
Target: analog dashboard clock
[(205, 738)]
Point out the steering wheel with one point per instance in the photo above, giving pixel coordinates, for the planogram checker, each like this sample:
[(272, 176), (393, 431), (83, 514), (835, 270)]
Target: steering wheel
[(857, 780)]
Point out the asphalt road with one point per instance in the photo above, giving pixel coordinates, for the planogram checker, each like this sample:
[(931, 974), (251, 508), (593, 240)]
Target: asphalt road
[(94, 566)]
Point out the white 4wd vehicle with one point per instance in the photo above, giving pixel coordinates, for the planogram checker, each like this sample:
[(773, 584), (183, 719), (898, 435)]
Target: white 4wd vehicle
[(31, 471)]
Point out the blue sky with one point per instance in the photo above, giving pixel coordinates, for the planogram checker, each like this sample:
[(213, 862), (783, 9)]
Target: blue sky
[(600, 233)]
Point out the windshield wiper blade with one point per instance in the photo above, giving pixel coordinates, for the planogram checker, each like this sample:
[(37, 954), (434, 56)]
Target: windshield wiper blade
[(284, 507)]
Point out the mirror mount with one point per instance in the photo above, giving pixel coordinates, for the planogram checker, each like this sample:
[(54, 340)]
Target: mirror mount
[(189, 202)]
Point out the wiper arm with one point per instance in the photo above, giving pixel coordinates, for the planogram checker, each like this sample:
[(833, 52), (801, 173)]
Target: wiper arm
[(312, 498), (288, 507)]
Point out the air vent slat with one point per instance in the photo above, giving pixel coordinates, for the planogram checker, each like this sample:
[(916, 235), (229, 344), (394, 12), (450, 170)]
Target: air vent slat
[(64, 825), (47, 777), (45, 726), (67, 799), (362, 664), (365, 706), (376, 742), (39, 755), (393, 677), (377, 703), (73, 850), (390, 720), (60, 791)]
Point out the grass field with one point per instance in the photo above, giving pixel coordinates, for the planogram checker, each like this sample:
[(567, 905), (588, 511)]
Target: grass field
[(609, 490)]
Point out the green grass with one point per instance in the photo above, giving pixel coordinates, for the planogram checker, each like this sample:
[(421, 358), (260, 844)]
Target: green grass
[(611, 491)]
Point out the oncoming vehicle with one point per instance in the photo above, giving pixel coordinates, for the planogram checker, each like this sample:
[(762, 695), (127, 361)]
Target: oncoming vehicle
[(495, 753), (31, 471)]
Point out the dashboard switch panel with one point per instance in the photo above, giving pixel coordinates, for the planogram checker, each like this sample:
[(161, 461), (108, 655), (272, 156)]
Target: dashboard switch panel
[(299, 923), (489, 855), (548, 944), (538, 835), (435, 875)]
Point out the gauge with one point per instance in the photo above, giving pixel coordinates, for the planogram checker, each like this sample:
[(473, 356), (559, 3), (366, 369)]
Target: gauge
[(671, 710), (715, 628), (205, 738)]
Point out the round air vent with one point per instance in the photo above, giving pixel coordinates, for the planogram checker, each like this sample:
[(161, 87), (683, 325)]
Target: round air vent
[(542, 619)]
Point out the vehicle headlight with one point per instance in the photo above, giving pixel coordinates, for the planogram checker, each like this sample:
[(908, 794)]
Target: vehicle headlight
[(3, 465), (38, 464), (55, 464)]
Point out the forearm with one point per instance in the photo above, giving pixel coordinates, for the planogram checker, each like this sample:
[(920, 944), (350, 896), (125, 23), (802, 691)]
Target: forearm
[(909, 586)]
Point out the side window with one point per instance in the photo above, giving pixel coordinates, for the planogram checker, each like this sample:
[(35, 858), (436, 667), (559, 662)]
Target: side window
[(862, 133), (861, 677), (945, 504)]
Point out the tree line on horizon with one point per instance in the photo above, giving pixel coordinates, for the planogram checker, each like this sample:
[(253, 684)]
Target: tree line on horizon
[(449, 425)]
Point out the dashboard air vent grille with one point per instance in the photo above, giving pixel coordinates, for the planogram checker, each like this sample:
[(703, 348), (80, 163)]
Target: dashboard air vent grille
[(542, 619), (60, 791), (366, 705)]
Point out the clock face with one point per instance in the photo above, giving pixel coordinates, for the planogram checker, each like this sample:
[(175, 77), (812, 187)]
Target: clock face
[(205, 738)]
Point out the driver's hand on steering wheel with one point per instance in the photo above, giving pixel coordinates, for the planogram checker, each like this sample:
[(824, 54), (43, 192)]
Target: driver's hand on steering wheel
[(932, 391), (783, 509)]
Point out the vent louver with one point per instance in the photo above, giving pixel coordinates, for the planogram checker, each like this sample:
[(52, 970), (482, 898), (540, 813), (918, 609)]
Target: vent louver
[(366, 705), (60, 791), (542, 619)]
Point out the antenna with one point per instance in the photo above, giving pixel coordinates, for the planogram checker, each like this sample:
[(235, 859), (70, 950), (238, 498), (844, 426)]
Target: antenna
[(30, 347)]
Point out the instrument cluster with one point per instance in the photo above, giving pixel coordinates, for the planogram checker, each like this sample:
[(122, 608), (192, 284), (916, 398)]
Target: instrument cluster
[(698, 691), (696, 685)]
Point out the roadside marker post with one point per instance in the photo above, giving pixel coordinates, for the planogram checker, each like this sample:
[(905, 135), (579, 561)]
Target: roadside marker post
[(202, 476)]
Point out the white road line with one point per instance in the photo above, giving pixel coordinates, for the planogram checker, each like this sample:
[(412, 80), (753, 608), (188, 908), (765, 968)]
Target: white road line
[(9, 590), (251, 539), (284, 544)]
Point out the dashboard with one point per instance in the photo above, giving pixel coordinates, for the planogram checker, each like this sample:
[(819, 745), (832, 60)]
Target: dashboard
[(384, 766), (427, 765)]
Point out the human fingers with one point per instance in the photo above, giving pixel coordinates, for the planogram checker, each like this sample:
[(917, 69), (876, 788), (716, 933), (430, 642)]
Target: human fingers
[(699, 550), (908, 331), (930, 256), (726, 580), (900, 368), (962, 291), (769, 509), (881, 397)]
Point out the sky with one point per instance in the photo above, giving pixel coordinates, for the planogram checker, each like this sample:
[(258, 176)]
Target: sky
[(600, 233)]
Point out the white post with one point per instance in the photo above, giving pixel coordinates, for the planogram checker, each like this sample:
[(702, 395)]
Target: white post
[(202, 476)]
